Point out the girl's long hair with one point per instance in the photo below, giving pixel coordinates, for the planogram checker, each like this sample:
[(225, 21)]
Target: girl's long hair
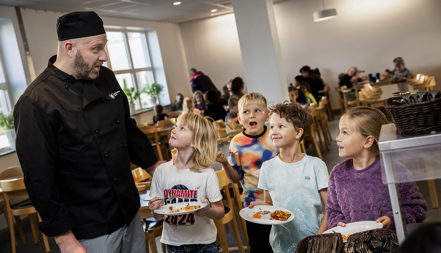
[(203, 138)]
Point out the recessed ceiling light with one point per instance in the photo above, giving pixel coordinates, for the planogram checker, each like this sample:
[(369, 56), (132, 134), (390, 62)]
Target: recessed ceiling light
[(176, 3), (213, 10)]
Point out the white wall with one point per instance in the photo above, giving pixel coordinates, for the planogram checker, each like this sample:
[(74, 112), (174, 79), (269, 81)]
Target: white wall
[(368, 34), (212, 46)]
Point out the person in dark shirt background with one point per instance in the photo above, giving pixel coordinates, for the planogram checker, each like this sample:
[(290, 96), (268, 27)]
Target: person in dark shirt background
[(200, 81), (213, 108), (312, 77)]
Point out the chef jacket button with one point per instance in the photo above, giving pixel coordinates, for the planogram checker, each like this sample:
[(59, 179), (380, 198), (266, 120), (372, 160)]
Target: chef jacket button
[(115, 179), (106, 156), (117, 121), (97, 132), (125, 145), (106, 98)]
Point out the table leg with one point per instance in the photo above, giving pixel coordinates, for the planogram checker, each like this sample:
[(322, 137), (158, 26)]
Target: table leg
[(395, 198), (432, 186)]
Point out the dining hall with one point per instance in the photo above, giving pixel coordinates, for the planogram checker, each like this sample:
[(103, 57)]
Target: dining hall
[(220, 126)]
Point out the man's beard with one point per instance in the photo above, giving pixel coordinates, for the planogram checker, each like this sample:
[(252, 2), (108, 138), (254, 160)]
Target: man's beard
[(84, 71)]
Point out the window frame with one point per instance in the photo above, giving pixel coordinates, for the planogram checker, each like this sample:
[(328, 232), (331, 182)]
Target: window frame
[(132, 70), (6, 86)]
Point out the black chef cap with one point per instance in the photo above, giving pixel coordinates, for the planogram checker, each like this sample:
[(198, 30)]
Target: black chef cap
[(78, 25)]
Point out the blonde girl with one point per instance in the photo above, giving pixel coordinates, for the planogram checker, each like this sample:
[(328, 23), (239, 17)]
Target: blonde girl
[(188, 178), (188, 106), (356, 191)]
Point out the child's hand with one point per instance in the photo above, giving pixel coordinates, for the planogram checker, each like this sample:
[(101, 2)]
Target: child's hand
[(155, 203), (387, 223), (252, 204), (341, 224), (203, 211), (220, 157)]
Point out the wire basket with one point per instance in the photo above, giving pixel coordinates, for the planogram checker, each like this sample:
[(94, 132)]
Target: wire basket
[(415, 119), (319, 243)]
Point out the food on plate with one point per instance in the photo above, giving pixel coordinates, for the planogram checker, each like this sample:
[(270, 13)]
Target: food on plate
[(174, 209), (257, 216), (345, 237), (280, 215)]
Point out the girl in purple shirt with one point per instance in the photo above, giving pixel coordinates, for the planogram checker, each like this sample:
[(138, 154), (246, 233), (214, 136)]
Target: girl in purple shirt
[(356, 191)]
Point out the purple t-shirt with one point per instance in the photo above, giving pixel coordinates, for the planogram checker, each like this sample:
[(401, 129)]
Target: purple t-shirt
[(360, 195)]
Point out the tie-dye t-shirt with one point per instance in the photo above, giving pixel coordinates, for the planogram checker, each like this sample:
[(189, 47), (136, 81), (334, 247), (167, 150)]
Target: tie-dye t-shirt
[(247, 153), (295, 186)]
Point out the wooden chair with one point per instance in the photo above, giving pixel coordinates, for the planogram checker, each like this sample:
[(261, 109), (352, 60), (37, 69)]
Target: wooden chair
[(15, 188), (233, 128), (219, 124), (152, 229), (323, 121), (229, 217), (174, 114), (347, 102), (311, 136), (166, 122), (14, 172), (325, 93), (239, 200)]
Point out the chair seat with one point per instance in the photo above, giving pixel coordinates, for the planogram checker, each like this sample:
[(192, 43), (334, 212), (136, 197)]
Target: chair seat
[(227, 209), (149, 224)]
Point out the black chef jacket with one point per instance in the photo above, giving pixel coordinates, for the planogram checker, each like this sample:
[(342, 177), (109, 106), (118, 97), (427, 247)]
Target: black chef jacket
[(75, 139)]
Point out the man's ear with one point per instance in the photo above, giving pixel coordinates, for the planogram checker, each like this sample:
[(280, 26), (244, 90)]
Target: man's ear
[(369, 141), (70, 48)]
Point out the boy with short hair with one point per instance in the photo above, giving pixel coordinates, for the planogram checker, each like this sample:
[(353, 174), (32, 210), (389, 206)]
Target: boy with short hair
[(248, 150), (293, 180)]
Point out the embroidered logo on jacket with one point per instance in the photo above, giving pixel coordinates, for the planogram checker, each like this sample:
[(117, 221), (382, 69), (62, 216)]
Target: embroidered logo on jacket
[(113, 95)]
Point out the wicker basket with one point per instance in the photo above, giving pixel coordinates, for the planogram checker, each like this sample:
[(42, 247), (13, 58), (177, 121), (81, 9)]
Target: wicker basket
[(414, 119), (328, 241), (380, 240)]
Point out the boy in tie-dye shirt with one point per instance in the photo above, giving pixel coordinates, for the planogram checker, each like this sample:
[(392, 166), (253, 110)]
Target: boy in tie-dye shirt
[(248, 150)]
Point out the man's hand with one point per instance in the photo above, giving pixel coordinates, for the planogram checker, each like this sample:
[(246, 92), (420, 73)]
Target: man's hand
[(151, 169), (68, 243), (220, 158), (252, 204), (387, 223)]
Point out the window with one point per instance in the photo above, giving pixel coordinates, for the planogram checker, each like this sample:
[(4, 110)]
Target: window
[(5, 105), (129, 58)]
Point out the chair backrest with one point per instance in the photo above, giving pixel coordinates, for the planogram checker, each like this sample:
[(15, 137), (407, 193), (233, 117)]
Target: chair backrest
[(219, 124), (11, 172), (174, 114), (233, 126), (11, 185), (166, 122), (224, 182)]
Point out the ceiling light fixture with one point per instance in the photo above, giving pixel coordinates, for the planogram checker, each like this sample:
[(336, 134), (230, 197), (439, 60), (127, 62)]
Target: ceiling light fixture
[(324, 14), (213, 10), (176, 3)]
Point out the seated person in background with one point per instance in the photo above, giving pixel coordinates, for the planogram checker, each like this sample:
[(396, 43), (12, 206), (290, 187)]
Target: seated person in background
[(236, 86), (159, 114), (401, 73), (226, 92), (188, 107), (177, 106), (302, 99), (213, 108), (313, 79), (304, 87), (361, 175), (234, 109), (293, 94), (198, 98), (392, 72), (297, 81), (350, 78)]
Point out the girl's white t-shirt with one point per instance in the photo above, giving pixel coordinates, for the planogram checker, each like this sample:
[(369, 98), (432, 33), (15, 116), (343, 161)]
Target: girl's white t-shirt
[(188, 186)]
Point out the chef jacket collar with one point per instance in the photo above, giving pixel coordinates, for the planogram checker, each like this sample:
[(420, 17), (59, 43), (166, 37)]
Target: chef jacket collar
[(90, 92)]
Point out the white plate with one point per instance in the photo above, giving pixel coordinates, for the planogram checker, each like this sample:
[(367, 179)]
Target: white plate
[(166, 209), (355, 227), (247, 214)]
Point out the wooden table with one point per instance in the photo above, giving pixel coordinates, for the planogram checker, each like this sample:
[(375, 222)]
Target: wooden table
[(388, 91)]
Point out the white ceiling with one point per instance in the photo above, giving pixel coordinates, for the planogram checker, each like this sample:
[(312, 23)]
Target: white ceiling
[(156, 10)]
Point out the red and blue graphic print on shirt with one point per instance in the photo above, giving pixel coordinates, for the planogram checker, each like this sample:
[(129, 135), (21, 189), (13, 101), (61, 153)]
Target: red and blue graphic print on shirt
[(182, 195)]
